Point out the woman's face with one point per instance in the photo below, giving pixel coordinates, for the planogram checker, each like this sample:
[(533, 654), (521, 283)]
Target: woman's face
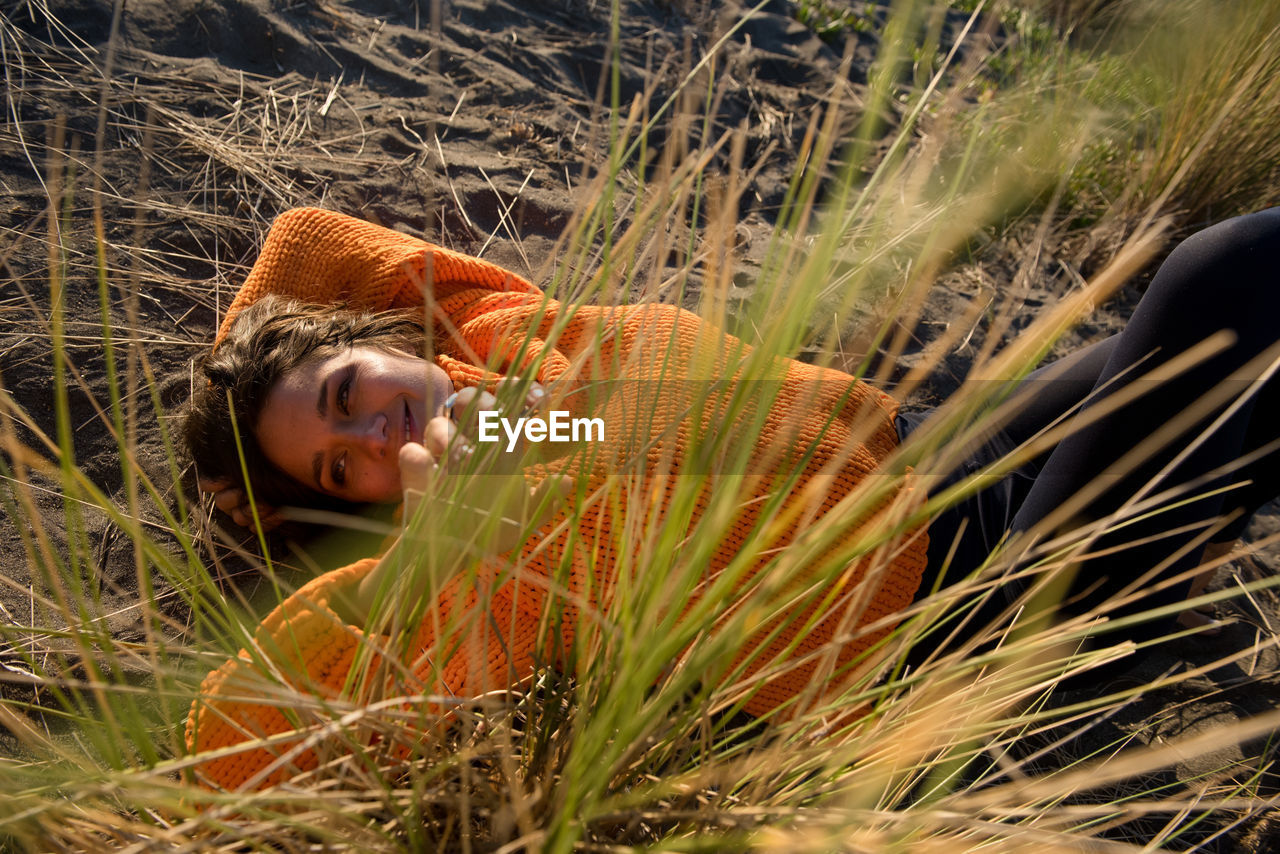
[(336, 424)]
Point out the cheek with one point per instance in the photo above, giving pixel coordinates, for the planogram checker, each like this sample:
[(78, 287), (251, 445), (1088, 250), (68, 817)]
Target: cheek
[(380, 483)]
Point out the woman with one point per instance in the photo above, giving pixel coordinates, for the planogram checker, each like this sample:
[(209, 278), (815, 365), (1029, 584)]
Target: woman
[(338, 409)]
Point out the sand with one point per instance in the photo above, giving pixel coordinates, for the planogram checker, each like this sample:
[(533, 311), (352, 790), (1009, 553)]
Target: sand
[(481, 131)]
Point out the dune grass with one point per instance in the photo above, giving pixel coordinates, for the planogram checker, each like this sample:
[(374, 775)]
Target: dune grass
[(1184, 94), (641, 743)]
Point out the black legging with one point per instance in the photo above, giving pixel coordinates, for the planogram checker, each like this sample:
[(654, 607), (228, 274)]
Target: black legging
[(1226, 277)]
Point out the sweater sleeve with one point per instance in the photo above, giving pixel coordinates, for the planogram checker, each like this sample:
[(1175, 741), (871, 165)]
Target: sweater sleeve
[(276, 711), (302, 649), (329, 258)]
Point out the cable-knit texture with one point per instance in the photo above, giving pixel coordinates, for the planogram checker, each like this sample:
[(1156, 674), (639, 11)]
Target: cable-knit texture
[(662, 381)]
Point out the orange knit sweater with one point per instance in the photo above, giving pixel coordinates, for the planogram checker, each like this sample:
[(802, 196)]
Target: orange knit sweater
[(658, 377)]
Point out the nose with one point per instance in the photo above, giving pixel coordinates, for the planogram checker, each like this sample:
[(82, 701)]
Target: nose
[(370, 436)]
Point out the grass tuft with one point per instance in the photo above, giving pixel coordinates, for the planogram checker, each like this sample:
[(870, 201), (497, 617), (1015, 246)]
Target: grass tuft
[(641, 744)]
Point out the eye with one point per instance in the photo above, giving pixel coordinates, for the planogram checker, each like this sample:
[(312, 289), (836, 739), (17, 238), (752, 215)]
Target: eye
[(344, 396), (338, 471)]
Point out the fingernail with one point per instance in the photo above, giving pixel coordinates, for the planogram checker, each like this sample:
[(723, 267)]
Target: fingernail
[(449, 403)]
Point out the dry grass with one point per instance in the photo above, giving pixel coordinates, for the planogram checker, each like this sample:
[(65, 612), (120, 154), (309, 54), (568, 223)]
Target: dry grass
[(127, 581)]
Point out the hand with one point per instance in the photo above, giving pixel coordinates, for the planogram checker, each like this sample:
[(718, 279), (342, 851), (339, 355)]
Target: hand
[(467, 405), (503, 506), (492, 496), (234, 501)]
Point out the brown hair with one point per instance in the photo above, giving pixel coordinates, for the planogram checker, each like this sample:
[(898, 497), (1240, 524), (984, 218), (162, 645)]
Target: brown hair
[(266, 341)]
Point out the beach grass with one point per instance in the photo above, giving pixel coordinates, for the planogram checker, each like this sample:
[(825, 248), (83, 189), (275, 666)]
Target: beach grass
[(641, 742)]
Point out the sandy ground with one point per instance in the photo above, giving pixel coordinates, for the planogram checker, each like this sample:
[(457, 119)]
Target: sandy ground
[(480, 131)]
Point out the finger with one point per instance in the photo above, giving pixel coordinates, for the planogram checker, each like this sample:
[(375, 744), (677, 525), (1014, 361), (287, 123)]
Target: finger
[(536, 399), (466, 411), (268, 517), (227, 500), (217, 484), (437, 435), (460, 450), (535, 396), (417, 466), (460, 400)]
